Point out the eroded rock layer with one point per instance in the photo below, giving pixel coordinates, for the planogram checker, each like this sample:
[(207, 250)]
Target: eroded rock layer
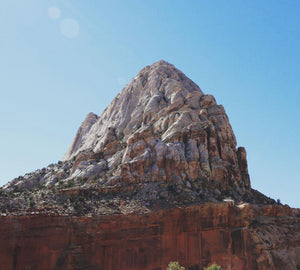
[(157, 177), (236, 237), (160, 128)]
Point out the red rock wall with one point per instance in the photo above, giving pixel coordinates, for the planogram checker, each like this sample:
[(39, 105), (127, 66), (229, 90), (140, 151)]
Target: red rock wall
[(194, 236)]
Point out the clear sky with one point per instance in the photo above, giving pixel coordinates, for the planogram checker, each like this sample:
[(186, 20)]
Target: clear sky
[(61, 59)]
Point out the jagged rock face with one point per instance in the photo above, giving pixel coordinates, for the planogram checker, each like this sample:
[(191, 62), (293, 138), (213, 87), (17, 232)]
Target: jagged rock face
[(161, 143), (142, 177), (161, 127), (237, 238)]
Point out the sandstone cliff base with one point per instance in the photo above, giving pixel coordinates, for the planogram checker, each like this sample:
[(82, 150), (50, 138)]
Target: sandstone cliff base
[(236, 237)]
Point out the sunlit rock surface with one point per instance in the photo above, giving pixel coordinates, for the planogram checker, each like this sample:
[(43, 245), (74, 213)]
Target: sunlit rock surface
[(158, 177), (239, 238)]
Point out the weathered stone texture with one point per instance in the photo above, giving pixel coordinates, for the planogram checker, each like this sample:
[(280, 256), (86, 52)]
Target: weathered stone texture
[(161, 127), (238, 238), (143, 177)]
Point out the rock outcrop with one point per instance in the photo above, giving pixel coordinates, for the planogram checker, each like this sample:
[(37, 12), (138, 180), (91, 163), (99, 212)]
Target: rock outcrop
[(82, 133), (162, 127), (157, 177)]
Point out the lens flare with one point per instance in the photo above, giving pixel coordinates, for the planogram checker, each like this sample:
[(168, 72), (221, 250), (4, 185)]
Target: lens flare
[(70, 28), (54, 13)]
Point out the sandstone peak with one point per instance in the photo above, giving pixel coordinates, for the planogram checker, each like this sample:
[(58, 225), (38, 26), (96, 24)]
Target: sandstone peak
[(162, 144), (155, 87), (161, 138), (164, 124)]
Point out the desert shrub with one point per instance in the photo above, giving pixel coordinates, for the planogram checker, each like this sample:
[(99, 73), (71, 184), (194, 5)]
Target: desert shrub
[(38, 187), (31, 202), (78, 203), (3, 209), (121, 136), (213, 267), (175, 266), (70, 183), (278, 201), (61, 184), (82, 180)]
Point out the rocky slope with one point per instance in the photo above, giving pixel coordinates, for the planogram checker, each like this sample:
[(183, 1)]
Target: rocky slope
[(161, 137), (141, 175)]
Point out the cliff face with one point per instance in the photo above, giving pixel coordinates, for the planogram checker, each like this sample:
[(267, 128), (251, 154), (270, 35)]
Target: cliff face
[(245, 237), (157, 177), (161, 127), (170, 129)]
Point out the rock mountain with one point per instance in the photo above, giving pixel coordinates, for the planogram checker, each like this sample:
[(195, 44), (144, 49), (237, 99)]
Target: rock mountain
[(162, 127), (160, 133), (157, 177)]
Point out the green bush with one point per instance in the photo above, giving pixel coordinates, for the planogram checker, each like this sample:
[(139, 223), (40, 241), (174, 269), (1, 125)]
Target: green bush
[(31, 202), (175, 266), (298, 263), (213, 267)]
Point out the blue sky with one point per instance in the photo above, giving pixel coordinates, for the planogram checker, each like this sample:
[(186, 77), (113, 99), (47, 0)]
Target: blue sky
[(61, 59)]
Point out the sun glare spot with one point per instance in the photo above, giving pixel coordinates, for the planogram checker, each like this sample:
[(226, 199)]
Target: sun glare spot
[(70, 28), (54, 13)]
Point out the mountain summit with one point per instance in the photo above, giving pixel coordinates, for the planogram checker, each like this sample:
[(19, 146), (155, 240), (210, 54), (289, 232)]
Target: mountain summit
[(155, 88), (161, 140), (156, 178), (161, 127)]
